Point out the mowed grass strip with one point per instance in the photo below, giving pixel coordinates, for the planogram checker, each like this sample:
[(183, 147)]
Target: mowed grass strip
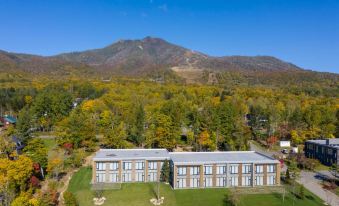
[(139, 194)]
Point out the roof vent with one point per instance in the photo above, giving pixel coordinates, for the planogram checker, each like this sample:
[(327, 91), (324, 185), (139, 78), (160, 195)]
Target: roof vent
[(111, 155)]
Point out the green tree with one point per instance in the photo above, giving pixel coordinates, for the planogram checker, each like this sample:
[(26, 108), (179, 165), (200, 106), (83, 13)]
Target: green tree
[(116, 137), (78, 129), (24, 124), (37, 151), (165, 171)]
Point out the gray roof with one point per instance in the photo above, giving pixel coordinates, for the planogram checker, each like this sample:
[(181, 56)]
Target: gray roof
[(329, 142), (131, 154), (185, 158)]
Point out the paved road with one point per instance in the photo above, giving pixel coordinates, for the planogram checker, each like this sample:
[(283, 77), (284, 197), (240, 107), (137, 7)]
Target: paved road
[(312, 182)]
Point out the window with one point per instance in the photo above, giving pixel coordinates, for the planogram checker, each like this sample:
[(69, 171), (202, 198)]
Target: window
[(234, 181), (194, 170), (259, 169), (271, 180), (139, 165), (271, 168), (208, 181), (113, 166), (100, 177), (329, 151), (139, 177), (126, 177), (221, 170), (194, 182), (221, 181), (234, 169), (181, 183), (152, 165), (259, 180), (207, 170), (181, 171), (127, 165), (246, 181), (114, 177), (101, 166), (152, 176), (246, 169)]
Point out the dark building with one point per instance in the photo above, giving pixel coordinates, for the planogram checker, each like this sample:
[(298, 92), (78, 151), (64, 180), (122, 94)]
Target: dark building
[(326, 151)]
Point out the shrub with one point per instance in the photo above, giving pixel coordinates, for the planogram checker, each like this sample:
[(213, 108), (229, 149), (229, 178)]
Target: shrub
[(70, 199)]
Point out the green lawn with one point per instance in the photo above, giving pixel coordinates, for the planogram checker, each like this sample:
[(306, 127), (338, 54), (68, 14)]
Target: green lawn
[(139, 194)]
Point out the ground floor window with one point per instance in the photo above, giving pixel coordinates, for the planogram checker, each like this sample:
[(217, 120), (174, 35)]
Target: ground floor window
[(152, 176), (221, 181), (194, 182), (234, 181), (271, 180), (100, 177), (246, 181), (259, 180), (126, 177), (181, 183), (139, 177), (208, 182), (114, 177)]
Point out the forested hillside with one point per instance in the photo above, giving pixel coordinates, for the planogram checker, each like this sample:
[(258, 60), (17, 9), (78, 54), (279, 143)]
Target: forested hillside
[(135, 113)]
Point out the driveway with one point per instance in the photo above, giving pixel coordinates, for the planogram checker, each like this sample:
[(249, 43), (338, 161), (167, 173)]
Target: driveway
[(312, 181)]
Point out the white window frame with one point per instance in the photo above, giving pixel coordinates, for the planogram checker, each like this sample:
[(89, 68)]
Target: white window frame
[(139, 177), (101, 166), (114, 177), (259, 169), (221, 181), (114, 166), (271, 168), (127, 165), (100, 177), (208, 170), (246, 181), (246, 169), (234, 181), (259, 180), (221, 169), (139, 165), (194, 170), (208, 181), (182, 171), (194, 182), (152, 165), (153, 176), (271, 180), (181, 183), (234, 169)]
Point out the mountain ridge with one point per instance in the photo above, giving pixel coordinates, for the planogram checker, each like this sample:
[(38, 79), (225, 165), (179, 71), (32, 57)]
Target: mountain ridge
[(145, 56)]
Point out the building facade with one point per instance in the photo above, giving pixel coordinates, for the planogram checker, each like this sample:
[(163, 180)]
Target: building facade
[(128, 165), (223, 169), (326, 151), (188, 169)]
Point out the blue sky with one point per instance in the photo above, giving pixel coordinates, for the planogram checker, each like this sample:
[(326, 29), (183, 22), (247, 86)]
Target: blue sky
[(303, 32)]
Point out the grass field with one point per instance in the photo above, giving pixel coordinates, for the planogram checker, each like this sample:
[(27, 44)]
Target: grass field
[(139, 194)]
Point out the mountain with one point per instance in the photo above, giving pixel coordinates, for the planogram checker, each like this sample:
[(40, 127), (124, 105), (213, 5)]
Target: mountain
[(34, 64), (138, 56), (156, 57)]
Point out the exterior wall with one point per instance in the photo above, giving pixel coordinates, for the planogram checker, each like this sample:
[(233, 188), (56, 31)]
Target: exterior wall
[(212, 181), (327, 155)]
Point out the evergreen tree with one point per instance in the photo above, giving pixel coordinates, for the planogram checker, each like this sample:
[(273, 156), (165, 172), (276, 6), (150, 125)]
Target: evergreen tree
[(165, 171)]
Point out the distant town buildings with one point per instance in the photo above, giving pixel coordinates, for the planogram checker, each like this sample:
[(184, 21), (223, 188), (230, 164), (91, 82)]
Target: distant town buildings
[(326, 151), (7, 120), (187, 169)]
